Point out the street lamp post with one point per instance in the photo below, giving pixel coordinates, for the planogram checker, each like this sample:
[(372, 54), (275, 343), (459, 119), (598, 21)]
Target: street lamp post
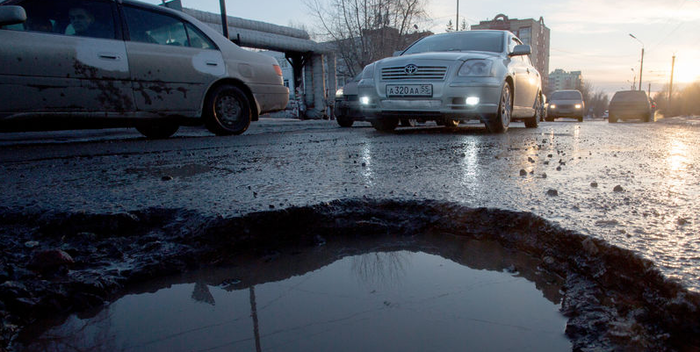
[(641, 63), (457, 18)]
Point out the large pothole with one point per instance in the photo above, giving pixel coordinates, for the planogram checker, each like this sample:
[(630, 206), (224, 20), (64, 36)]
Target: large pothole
[(612, 299)]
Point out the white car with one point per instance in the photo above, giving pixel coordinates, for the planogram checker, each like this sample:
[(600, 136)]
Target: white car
[(481, 75), (97, 63)]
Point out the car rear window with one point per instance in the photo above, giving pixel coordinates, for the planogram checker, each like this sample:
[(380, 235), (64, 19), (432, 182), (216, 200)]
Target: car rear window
[(635, 96), (566, 95)]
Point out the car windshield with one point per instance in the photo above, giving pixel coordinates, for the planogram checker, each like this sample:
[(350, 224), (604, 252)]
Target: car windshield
[(630, 96), (461, 41), (565, 95)]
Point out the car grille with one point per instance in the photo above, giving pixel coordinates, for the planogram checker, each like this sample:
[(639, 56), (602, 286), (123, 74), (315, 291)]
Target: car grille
[(422, 72)]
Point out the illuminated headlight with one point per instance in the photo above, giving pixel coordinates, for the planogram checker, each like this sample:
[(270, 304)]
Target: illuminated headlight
[(577, 106), (475, 68), (553, 106), (472, 101), (364, 100), (339, 93)]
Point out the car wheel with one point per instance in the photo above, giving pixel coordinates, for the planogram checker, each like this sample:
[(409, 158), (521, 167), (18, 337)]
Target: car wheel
[(157, 129), (532, 122), (612, 119), (227, 111), (408, 122), (500, 123), (387, 124), (344, 121)]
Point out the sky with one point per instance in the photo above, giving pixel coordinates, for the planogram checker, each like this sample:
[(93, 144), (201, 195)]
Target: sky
[(591, 36)]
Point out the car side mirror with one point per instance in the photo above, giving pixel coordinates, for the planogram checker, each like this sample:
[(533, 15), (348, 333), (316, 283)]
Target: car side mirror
[(12, 15), (397, 53), (520, 50)]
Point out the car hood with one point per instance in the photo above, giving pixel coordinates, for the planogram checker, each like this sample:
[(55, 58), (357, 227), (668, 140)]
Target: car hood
[(437, 56)]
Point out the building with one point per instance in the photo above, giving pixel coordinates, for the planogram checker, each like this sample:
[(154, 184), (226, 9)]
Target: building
[(531, 32), (560, 79)]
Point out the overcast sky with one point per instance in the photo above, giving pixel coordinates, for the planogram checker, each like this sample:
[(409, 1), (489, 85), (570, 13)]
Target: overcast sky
[(587, 35)]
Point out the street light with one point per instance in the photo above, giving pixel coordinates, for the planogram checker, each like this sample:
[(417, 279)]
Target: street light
[(641, 64)]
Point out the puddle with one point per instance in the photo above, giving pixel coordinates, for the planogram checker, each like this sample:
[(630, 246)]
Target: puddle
[(384, 300)]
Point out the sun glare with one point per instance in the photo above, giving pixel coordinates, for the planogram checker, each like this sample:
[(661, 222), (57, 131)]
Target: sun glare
[(686, 73)]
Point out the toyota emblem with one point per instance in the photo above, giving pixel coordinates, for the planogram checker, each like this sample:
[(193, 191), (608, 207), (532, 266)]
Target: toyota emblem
[(410, 69)]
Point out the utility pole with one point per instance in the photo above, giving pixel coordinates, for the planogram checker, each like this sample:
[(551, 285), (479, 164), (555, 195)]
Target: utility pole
[(224, 18), (670, 86), (641, 64), (457, 18), (641, 68)]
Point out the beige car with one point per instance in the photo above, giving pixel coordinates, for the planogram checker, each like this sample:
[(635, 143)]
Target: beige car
[(98, 63)]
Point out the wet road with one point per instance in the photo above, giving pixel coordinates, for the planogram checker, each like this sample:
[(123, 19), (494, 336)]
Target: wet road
[(284, 163)]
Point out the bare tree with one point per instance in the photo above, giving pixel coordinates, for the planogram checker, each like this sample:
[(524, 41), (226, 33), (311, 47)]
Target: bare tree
[(368, 30)]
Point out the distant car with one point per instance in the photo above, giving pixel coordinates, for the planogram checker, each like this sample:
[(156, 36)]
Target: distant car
[(114, 62), (630, 105), (347, 104), (606, 114), (565, 103), (481, 75)]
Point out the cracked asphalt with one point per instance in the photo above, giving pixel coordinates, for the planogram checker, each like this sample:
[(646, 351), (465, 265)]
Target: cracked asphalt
[(634, 185)]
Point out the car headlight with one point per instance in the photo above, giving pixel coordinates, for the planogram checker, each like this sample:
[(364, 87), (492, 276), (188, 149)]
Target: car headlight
[(476, 68), (553, 106), (577, 106), (368, 72), (339, 93)]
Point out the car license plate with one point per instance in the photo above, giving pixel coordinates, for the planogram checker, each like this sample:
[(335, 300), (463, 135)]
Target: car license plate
[(409, 90)]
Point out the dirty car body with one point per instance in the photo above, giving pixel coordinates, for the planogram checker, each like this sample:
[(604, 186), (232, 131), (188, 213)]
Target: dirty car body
[(135, 64), (481, 75)]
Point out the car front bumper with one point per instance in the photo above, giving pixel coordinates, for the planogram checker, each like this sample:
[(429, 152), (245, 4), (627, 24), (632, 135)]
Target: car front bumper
[(448, 100)]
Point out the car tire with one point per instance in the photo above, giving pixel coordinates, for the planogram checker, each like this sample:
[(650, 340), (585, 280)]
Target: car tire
[(612, 119), (386, 124), (408, 122), (227, 111), (157, 129), (533, 121), (500, 122), (344, 121)]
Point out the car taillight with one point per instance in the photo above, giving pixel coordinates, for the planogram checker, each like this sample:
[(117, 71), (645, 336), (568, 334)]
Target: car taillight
[(278, 69)]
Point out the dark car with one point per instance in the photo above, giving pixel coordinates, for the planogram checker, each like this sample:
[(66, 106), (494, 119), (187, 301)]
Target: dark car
[(347, 105), (565, 103), (630, 105)]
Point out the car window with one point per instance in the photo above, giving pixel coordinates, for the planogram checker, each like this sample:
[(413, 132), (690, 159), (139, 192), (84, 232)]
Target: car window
[(631, 96), (565, 95), (157, 28), (460, 41), (151, 27), (76, 18), (198, 39)]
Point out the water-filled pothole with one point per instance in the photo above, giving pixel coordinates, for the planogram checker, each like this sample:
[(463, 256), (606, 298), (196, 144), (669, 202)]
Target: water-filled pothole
[(377, 301)]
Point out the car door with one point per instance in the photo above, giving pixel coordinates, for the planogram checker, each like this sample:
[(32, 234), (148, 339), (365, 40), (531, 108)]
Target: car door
[(45, 67), (171, 62), (523, 86)]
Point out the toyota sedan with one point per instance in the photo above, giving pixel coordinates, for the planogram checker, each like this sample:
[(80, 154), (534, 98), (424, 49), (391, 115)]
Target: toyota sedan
[(481, 75)]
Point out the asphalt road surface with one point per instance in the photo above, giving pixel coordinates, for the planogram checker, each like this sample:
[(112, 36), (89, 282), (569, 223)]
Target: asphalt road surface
[(635, 185)]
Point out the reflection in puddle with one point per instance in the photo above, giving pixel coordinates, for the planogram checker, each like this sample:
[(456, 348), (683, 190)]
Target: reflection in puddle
[(379, 301)]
